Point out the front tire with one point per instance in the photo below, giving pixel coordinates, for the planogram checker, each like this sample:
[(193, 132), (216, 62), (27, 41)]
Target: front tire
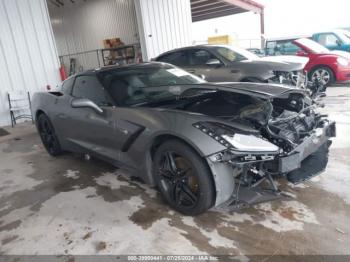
[(183, 178), (324, 74), (48, 135)]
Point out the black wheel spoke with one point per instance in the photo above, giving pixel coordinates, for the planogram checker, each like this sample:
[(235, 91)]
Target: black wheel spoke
[(182, 173), (190, 196), (48, 136), (177, 194), (170, 162), (177, 180), (166, 174), (46, 127)]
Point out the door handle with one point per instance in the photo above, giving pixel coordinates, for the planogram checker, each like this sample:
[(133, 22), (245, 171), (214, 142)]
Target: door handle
[(191, 71)]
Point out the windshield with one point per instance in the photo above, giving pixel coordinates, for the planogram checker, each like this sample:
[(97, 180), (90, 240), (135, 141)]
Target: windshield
[(312, 45), (347, 34), (234, 54), (135, 86), (344, 35)]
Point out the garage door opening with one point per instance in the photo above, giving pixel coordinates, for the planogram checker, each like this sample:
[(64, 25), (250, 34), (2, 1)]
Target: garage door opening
[(91, 34), (140, 30)]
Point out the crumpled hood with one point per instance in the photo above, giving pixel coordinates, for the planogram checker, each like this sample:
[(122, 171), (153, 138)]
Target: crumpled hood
[(281, 63), (262, 90), (289, 59), (258, 89), (198, 117)]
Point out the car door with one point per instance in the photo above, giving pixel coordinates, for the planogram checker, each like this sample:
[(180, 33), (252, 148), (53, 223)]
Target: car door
[(177, 58), (181, 59), (62, 107), (87, 128), (205, 63)]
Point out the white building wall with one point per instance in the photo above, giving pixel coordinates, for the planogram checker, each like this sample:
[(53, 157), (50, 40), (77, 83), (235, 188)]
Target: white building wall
[(28, 56), (163, 25), (83, 25)]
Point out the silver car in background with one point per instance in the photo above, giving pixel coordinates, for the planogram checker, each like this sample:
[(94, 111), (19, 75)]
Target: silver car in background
[(222, 63)]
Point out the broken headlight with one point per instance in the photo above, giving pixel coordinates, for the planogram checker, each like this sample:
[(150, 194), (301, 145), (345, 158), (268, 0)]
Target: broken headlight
[(234, 140), (250, 143)]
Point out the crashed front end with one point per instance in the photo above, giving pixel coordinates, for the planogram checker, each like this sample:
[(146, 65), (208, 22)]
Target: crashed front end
[(289, 71), (291, 142)]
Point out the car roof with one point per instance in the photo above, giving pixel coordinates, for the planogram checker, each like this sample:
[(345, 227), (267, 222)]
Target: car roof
[(287, 38), (328, 31), (122, 67), (207, 46)]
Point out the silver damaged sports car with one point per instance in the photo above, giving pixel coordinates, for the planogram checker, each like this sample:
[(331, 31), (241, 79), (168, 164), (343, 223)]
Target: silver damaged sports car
[(201, 144)]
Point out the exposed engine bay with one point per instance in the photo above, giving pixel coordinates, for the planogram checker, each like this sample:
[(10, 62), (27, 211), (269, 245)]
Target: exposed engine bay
[(287, 78), (300, 80), (283, 121), (290, 122)]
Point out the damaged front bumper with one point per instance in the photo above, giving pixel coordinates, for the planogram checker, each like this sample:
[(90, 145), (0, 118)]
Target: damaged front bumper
[(310, 145), (244, 183), (313, 154)]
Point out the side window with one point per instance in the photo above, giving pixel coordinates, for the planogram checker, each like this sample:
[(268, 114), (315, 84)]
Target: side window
[(67, 85), (89, 87), (327, 39), (176, 58), (270, 47), (200, 57), (229, 54), (279, 48), (290, 48)]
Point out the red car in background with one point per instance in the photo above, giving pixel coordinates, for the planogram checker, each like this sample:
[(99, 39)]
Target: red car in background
[(327, 66)]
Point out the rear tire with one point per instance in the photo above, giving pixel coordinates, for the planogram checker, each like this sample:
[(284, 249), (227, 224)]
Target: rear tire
[(325, 74), (48, 135), (183, 178)]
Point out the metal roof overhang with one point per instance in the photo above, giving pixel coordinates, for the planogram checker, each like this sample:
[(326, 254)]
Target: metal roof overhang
[(208, 9)]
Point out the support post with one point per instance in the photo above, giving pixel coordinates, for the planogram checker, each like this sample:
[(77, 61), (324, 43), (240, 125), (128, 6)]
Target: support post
[(262, 29)]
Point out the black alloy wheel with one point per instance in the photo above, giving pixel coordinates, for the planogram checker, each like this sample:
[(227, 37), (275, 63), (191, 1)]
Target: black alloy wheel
[(183, 178), (176, 176), (48, 136)]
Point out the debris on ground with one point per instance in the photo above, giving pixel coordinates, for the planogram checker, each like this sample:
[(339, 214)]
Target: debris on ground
[(88, 235), (340, 231), (101, 246)]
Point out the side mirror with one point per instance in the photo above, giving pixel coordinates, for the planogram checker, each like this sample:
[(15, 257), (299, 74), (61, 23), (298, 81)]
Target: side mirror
[(301, 53), (83, 102), (339, 43), (213, 62)]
